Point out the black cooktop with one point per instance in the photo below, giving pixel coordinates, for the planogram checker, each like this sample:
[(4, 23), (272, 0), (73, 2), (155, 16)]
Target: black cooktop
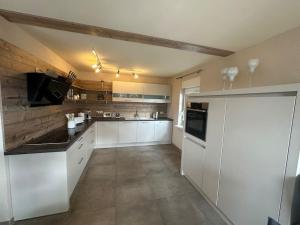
[(58, 136)]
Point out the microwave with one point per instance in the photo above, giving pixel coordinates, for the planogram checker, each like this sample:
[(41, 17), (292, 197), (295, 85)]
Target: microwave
[(196, 120)]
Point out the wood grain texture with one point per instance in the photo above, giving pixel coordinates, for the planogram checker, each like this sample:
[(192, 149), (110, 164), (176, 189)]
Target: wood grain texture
[(21, 122), (57, 24)]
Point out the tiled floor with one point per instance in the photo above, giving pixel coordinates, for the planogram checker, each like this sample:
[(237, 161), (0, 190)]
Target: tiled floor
[(134, 186)]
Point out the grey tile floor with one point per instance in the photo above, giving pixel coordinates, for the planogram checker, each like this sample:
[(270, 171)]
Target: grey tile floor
[(134, 186)]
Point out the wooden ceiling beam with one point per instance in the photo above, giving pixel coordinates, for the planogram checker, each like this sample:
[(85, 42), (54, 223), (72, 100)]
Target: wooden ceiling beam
[(28, 19)]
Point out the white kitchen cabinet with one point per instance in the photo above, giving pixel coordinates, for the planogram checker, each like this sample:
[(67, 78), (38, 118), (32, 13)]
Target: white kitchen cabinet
[(127, 132), (146, 131), (256, 143), (38, 184), (156, 89), (214, 140), (193, 161), (107, 133), (44, 182), (127, 87), (91, 141), (140, 92), (76, 160), (163, 131)]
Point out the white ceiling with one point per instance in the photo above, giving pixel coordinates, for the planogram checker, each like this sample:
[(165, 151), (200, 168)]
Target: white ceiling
[(227, 24)]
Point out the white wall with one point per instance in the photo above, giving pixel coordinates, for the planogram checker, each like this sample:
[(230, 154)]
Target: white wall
[(5, 200), (177, 137), (13, 34)]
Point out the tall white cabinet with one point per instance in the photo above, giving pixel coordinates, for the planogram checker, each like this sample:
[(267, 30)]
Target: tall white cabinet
[(241, 168), (212, 162), (256, 142)]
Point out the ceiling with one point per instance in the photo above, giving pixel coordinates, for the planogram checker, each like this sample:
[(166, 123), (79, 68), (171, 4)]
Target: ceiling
[(226, 24)]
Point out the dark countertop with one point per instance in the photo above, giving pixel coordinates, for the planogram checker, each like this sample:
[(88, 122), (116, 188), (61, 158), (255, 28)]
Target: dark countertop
[(131, 119), (60, 139)]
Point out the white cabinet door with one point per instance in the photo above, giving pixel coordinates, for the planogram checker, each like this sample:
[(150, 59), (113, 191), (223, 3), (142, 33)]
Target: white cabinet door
[(214, 138), (107, 133), (76, 161), (90, 141), (156, 89), (145, 131), (254, 157), (192, 161), (127, 87), (38, 184), (163, 131), (127, 132)]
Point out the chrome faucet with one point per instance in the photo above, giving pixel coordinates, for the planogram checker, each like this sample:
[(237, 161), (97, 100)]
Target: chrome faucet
[(136, 115)]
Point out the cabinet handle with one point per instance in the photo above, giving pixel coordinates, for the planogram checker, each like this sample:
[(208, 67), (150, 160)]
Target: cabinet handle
[(80, 138), (80, 161), (80, 146)]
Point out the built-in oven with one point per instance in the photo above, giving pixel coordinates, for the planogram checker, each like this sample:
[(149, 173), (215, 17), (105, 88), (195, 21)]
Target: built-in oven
[(196, 120)]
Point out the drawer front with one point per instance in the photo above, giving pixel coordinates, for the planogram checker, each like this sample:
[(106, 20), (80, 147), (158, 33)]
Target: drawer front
[(76, 163)]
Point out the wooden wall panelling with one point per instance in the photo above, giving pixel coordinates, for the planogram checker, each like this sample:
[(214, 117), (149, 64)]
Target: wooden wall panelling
[(22, 123)]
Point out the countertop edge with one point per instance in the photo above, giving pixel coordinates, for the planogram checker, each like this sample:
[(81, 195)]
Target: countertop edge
[(25, 150)]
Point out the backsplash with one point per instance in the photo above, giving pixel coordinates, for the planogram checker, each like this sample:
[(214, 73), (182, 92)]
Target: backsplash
[(22, 123), (126, 109)]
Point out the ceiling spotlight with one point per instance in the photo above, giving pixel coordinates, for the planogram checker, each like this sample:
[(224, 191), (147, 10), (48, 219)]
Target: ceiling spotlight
[(135, 76), (118, 74), (97, 66)]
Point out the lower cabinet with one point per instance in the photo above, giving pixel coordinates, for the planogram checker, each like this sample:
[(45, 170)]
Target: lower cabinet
[(44, 182), (163, 131), (146, 131), (127, 131), (107, 133), (131, 133), (193, 161)]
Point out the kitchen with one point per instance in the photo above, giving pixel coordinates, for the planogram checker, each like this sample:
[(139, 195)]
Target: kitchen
[(108, 121)]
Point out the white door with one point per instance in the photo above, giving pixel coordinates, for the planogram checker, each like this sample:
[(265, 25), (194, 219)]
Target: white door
[(254, 157), (107, 133), (163, 131), (192, 161), (214, 137), (127, 132), (145, 131)]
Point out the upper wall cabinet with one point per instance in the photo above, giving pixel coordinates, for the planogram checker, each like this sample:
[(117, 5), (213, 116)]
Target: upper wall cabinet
[(140, 92)]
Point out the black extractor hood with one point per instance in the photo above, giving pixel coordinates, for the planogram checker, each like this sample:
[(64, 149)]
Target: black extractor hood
[(44, 90)]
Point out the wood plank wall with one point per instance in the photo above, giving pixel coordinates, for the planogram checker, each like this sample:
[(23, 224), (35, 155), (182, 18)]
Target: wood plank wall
[(126, 109), (22, 123)]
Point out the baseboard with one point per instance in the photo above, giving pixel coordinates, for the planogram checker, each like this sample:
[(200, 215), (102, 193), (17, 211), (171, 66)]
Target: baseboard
[(131, 144), (11, 222), (207, 199)]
